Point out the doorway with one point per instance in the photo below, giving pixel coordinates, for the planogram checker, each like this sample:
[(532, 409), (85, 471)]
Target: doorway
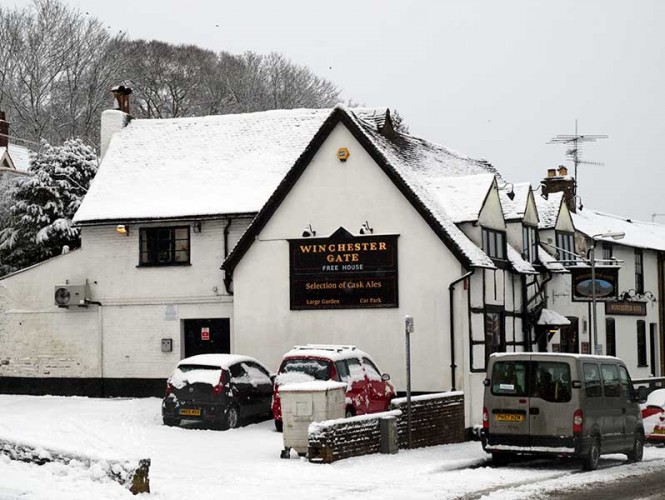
[(569, 336), (207, 336)]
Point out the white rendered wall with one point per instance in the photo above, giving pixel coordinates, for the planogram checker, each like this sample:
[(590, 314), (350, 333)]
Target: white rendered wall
[(140, 306), (328, 195)]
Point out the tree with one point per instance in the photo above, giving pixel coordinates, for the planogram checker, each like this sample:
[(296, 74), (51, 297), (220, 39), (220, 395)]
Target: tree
[(56, 67), (39, 223)]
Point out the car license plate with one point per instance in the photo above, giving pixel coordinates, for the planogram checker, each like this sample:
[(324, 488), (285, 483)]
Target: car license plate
[(190, 412), (509, 417), (659, 430)]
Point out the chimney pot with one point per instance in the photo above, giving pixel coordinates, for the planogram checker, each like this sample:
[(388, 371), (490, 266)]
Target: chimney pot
[(563, 171), (121, 96), (551, 172)]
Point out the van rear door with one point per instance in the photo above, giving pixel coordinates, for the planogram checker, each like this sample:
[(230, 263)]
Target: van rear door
[(507, 402), (551, 406)]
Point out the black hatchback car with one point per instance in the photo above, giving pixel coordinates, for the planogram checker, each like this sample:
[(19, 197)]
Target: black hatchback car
[(220, 389)]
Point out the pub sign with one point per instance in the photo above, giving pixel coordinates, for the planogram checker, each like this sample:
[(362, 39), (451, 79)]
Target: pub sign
[(607, 283), (343, 271)]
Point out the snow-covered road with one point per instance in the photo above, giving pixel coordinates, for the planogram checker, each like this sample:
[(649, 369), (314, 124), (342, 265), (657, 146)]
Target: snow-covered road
[(245, 463)]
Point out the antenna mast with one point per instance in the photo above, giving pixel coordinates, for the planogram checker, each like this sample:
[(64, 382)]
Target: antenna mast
[(573, 144)]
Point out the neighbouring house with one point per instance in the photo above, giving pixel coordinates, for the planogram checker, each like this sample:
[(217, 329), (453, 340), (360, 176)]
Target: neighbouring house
[(14, 159)]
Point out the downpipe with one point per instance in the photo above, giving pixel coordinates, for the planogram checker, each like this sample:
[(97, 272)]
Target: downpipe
[(451, 290)]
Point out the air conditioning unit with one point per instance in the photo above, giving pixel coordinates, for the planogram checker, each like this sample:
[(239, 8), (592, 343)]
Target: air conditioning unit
[(70, 295)]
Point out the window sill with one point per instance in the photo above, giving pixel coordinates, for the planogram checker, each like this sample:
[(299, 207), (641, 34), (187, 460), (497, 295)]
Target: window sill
[(166, 264)]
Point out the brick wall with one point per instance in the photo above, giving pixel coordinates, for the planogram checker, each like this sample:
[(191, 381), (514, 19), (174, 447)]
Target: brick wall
[(435, 419)]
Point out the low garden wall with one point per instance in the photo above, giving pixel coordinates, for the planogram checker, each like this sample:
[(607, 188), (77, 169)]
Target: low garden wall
[(435, 419), (133, 474)]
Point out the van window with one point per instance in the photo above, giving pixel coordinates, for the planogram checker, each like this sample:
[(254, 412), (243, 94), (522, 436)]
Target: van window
[(611, 380), (509, 378), (592, 380), (626, 384), (551, 381)]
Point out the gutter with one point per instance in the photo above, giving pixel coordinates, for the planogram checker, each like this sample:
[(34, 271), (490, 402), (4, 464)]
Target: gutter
[(451, 290)]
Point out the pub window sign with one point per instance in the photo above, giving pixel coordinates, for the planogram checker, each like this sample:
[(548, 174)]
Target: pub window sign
[(343, 271), (607, 283)]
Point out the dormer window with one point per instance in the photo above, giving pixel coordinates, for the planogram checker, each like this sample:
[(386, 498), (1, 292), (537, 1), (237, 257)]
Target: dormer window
[(529, 243), (565, 243), (494, 243)]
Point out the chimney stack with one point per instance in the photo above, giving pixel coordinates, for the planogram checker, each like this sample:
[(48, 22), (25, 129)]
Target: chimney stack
[(4, 131), (121, 96), (554, 183)]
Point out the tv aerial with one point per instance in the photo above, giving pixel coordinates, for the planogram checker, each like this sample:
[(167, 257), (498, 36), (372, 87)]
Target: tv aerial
[(574, 143)]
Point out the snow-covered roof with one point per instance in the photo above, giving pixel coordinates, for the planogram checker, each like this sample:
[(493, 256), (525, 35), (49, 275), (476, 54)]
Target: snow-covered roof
[(325, 352), (189, 167), (515, 208), (638, 234), (549, 317), (519, 264), (462, 197), (548, 209), (18, 156), (216, 360), (550, 262)]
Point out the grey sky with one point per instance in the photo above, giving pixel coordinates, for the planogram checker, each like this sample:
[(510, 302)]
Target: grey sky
[(487, 78)]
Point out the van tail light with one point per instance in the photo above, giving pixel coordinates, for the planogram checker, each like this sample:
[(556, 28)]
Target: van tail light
[(217, 389), (169, 388), (486, 419), (578, 421)]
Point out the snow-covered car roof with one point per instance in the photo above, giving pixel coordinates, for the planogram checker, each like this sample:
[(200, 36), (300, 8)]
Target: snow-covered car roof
[(656, 398), (217, 360), (333, 352)]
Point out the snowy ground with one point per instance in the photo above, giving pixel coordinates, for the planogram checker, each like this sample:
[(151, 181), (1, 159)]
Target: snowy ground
[(245, 463)]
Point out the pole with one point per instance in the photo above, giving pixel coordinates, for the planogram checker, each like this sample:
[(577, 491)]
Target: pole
[(408, 328), (594, 323)]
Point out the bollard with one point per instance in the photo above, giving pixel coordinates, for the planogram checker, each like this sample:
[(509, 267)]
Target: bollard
[(388, 431)]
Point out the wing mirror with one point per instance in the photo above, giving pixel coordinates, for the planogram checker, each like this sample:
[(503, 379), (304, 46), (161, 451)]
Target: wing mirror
[(385, 377), (641, 395)]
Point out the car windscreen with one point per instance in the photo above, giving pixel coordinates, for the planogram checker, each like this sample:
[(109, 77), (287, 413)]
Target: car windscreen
[(548, 380), (318, 369)]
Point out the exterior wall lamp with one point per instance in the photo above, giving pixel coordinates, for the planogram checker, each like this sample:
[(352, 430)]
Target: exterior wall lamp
[(365, 229), (308, 231), (122, 229)]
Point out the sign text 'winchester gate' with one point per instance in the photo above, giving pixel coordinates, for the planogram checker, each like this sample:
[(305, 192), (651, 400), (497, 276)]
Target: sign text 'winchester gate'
[(343, 271)]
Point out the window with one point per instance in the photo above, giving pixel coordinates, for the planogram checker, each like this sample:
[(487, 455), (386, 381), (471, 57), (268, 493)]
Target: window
[(566, 248), (510, 378), (626, 384), (529, 243), (551, 381), (494, 243), (641, 343), (495, 340), (610, 336), (164, 246), (371, 370), (607, 253), (355, 370), (342, 370), (592, 380), (611, 380), (639, 271)]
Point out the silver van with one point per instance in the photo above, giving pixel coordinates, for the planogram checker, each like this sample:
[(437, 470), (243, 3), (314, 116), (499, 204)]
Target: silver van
[(561, 405)]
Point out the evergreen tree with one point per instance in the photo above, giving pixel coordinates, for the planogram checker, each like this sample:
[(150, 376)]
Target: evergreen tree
[(39, 224)]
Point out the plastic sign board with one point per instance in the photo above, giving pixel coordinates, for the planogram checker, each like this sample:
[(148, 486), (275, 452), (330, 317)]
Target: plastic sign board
[(343, 271), (205, 333)]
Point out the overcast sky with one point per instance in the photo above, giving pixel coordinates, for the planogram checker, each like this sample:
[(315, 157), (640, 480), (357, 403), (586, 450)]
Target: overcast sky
[(491, 79)]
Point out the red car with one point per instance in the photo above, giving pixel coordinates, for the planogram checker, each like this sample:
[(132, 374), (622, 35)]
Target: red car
[(368, 391), (653, 416)]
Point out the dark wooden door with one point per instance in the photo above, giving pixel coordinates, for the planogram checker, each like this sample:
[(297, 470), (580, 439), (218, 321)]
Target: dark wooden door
[(207, 336), (570, 336)]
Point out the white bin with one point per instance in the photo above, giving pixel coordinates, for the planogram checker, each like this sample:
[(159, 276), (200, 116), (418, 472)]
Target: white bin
[(307, 402)]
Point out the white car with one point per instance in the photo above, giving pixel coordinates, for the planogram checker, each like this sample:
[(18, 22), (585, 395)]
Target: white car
[(653, 416)]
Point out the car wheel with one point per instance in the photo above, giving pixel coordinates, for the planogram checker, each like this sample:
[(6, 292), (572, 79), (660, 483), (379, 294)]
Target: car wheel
[(171, 422), (593, 455), (279, 425), (502, 458), (231, 419), (637, 452)]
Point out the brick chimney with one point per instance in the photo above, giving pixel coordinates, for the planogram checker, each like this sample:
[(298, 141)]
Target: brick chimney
[(121, 96), (558, 180), (4, 131)]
